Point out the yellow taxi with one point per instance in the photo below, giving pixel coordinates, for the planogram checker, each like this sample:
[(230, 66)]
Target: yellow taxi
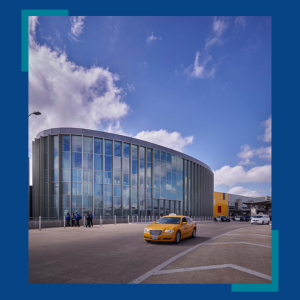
[(171, 228)]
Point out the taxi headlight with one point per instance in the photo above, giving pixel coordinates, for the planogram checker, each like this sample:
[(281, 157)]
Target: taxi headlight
[(146, 229), (169, 231)]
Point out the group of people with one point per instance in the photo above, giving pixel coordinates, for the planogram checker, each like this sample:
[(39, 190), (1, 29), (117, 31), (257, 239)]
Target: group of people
[(76, 217)]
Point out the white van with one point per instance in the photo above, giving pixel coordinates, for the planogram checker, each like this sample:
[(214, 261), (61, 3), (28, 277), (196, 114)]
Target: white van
[(260, 219)]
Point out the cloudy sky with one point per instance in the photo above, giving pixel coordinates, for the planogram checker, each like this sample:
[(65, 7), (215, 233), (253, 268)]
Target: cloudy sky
[(199, 85)]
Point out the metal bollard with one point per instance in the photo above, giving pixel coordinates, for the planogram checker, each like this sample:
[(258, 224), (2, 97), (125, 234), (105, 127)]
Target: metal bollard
[(83, 220), (65, 222), (128, 219), (156, 218), (115, 220), (100, 221), (40, 223), (137, 219)]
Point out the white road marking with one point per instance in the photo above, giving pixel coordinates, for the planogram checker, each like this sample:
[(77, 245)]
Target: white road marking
[(157, 268), (238, 243), (214, 267), (249, 234)]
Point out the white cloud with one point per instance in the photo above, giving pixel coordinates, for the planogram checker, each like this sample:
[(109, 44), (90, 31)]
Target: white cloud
[(152, 38), (131, 87), (172, 140), (267, 136), (199, 69), (247, 153), (219, 26), (239, 190), (76, 27), (69, 95), (230, 176), (240, 21)]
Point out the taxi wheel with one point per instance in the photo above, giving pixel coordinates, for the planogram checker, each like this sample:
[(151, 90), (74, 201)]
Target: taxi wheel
[(177, 237), (194, 233)]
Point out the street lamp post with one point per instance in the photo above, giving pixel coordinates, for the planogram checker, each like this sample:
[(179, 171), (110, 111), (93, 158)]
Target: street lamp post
[(37, 113)]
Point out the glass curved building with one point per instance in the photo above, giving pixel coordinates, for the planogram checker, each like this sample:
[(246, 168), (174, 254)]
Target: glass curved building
[(110, 174)]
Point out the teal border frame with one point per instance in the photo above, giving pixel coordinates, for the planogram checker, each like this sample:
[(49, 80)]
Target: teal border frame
[(25, 34), (274, 285)]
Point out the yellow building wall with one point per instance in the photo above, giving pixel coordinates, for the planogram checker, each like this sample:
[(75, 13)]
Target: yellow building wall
[(218, 201)]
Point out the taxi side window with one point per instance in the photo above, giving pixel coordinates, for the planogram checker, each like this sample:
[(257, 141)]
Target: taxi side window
[(189, 220)]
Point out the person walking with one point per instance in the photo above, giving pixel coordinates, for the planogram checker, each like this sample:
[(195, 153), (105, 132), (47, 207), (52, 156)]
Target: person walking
[(73, 219), (68, 218), (78, 218), (91, 219), (88, 220)]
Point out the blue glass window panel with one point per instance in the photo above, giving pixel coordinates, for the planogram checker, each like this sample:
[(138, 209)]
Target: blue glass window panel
[(134, 166), (87, 189), (169, 185), (55, 160), (98, 162), (149, 181), (149, 155), (87, 203), (134, 179), (76, 188), (117, 164), (156, 193), (134, 150), (98, 202), (169, 157), (142, 153), (126, 191), (98, 176), (65, 143), (126, 179), (163, 155), (163, 185), (134, 192), (108, 177), (174, 187), (108, 147), (126, 165), (167, 204), (157, 183), (87, 161), (76, 143), (169, 195), (142, 180), (108, 190), (55, 143), (65, 175), (142, 167), (174, 196), (88, 175), (134, 206), (117, 178), (46, 144), (76, 175), (169, 167), (149, 169), (65, 160), (98, 189), (108, 163), (126, 150), (149, 193), (55, 188), (125, 203), (55, 175), (162, 194), (98, 146), (156, 154), (179, 188), (117, 191), (169, 176), (163, 165), (142, 193), (179, 196), (179, 177), (76, 160), (87, 144), (174, 177), (117, 149), (163, 174)]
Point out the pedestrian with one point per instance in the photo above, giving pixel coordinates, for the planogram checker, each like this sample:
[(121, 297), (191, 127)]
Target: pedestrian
[(68, 218), (88, 220), (73, 219), (91, 219), (78, 218)]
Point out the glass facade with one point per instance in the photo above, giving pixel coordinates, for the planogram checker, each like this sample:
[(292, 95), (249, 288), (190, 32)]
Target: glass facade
[(111, 177)]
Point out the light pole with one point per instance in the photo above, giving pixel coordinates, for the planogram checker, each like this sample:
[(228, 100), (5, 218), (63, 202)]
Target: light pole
[(37, 113)]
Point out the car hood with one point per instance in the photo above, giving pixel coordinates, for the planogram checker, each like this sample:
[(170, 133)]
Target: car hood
[(161, 226)]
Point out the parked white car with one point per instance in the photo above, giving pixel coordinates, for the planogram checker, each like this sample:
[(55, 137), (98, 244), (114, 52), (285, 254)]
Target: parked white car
[(260, 219)]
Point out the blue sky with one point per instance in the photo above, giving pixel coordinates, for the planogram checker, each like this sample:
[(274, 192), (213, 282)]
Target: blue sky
[(201, 85)]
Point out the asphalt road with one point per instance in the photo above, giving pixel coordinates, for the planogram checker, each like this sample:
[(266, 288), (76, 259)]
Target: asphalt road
[(106, 254)]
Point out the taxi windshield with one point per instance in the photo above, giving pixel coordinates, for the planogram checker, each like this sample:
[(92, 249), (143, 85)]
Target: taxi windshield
[(168, 220), (257, 217)]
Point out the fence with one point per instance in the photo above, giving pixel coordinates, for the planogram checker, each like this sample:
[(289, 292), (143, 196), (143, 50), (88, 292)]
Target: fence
[(46, 222)]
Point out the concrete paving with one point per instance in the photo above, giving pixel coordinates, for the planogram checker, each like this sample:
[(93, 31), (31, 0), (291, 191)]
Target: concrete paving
[(118, 254)]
